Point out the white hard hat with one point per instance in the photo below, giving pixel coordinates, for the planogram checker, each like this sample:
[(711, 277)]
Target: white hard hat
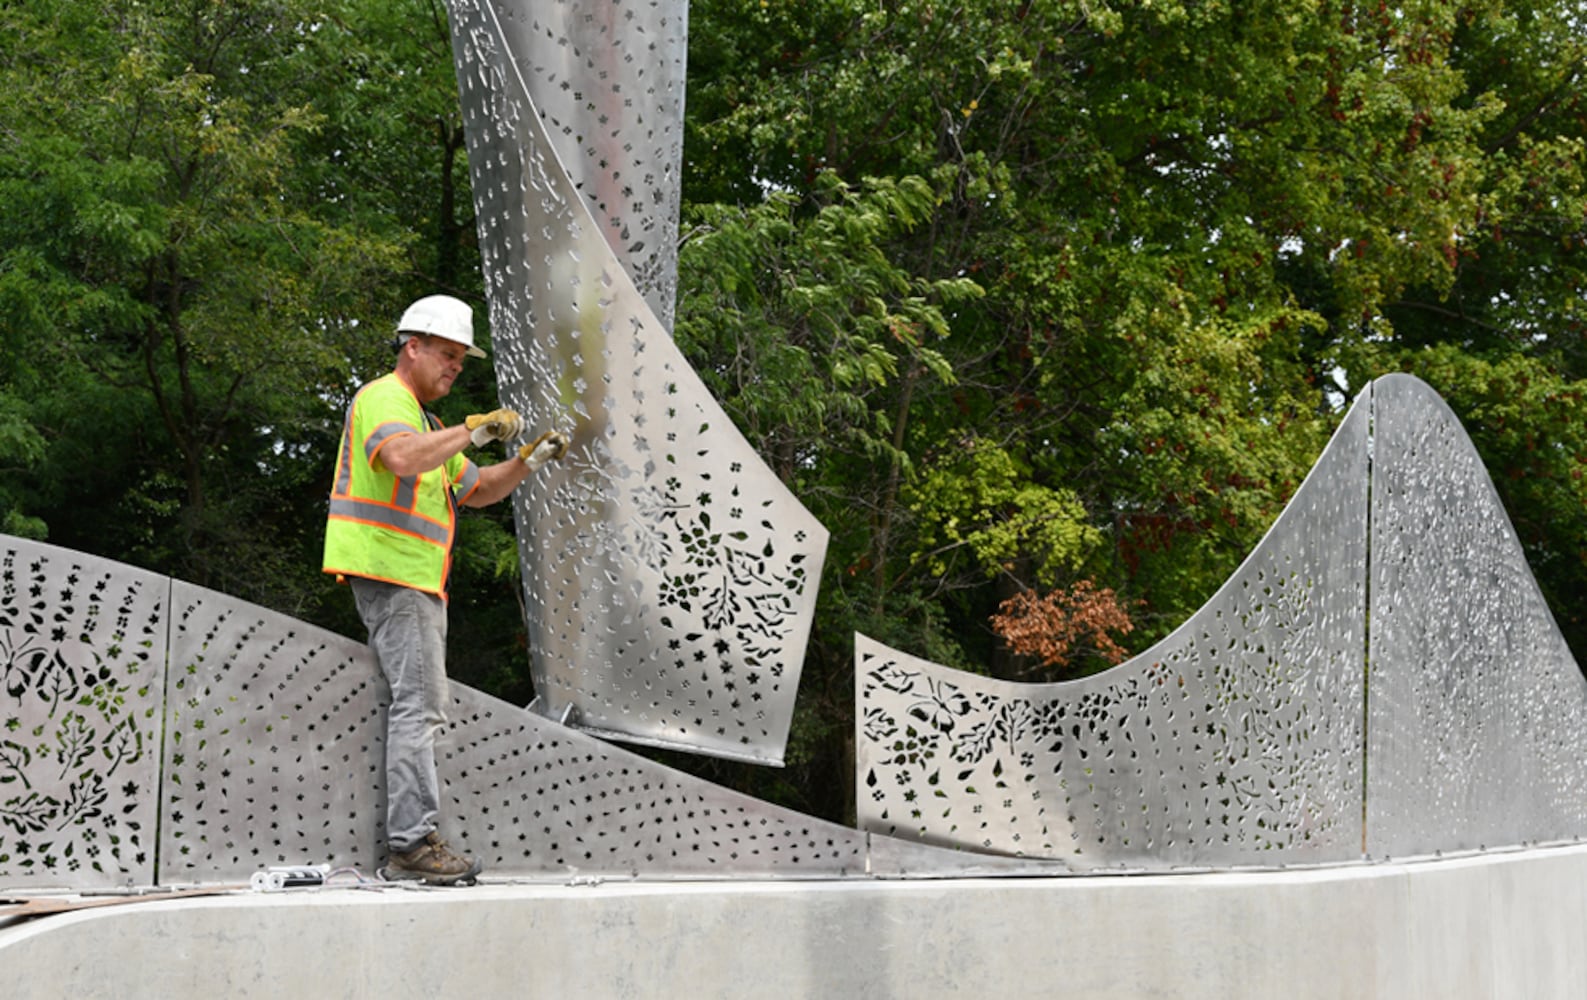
[(441, 316)]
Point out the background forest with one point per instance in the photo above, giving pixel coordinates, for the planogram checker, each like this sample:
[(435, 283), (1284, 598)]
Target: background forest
[(1044, 308)]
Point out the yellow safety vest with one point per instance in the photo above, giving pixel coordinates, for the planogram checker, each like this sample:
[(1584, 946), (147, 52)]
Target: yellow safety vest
[(399, 529)]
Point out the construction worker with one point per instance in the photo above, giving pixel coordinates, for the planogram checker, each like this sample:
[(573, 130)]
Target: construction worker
[(400, 475)]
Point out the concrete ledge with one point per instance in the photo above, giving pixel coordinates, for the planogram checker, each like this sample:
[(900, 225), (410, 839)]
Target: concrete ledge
[(1486, 926)]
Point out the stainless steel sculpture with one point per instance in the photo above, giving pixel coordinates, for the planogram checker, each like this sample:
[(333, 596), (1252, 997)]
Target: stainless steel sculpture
[(670, 577), (1238, 739), (1235, 740), (135, 703), (671, 580), (1477, 735), (274, 753)]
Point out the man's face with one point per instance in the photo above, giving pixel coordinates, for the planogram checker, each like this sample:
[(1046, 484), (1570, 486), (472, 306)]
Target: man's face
[(433, 365)]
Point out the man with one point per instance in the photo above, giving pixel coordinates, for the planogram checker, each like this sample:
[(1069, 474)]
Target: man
[(400, 475)]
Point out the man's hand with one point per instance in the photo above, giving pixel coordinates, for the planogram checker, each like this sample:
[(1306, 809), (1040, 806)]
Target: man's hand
[(497, 425), (547, 447)]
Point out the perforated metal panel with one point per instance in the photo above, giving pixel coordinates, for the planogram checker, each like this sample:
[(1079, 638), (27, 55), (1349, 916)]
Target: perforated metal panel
[(1478, 727), (274, 753), (1235, 740), (670, 576), (275, 743), (82, 664), (275, 757), (531, 797), (608, 83)]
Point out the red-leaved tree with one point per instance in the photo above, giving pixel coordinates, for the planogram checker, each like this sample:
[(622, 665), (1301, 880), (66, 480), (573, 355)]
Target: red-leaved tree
[(1065, 627)]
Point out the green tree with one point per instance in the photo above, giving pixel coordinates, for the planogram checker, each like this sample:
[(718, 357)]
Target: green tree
[(1504, 339), (183, 293), (1198, 229)]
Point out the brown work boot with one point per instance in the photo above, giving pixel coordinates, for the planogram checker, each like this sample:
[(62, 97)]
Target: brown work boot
[(431, 862)]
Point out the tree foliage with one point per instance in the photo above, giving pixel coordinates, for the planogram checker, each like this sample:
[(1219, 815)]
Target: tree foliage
[(1198, 229), (1065, 627)]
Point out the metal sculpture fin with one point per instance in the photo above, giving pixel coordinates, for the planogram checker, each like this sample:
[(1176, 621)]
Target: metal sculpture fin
[(1251, 735), (669, 576)]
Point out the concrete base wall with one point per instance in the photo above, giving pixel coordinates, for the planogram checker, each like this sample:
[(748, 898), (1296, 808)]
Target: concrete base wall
[(1493, 926)]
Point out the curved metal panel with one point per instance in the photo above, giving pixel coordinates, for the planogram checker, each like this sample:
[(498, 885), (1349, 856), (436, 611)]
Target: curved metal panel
[(607, 77), (530, 797), (1235, 740), (274, 756), (82, 675), (670, 576), (1478, 728)]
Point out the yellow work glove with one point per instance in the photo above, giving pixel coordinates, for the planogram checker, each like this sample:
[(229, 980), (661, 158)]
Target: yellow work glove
[(547, 447), (497, 425)]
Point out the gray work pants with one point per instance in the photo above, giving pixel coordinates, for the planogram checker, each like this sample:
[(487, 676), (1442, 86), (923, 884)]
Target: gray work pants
[(407, 633)]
